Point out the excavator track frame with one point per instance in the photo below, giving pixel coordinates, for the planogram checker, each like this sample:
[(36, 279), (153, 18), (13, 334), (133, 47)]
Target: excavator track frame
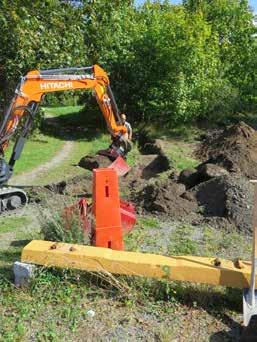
[(12, 198)]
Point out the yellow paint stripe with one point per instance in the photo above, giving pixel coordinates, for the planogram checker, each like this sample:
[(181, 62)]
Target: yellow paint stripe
[(184, 268)]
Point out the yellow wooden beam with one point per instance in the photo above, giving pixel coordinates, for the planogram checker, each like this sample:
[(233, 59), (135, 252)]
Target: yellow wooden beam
[(184, 268)]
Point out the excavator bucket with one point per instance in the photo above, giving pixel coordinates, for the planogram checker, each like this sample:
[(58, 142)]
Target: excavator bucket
[(120, 166), (128, 216)]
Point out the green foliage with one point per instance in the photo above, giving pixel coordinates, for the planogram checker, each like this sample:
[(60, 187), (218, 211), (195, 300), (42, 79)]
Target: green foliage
[(38, 35), (174, 64), (168, 63)]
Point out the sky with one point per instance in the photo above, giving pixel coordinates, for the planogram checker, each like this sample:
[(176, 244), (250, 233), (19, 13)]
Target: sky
[(253, 3)]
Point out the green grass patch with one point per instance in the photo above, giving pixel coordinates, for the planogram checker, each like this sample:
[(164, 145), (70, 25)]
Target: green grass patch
[(83, 144), (180, 155), (187, 133), (168, 238), (58, 111), (133, 156), (38, 150), (55, 305), (68, 167), (9, 224)]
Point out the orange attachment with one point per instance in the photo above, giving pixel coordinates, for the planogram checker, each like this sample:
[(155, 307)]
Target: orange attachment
[(107, 230), (120, 166), (128, 216)]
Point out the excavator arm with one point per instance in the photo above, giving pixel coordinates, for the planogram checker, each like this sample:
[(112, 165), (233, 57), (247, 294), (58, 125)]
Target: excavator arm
[(29, 94)]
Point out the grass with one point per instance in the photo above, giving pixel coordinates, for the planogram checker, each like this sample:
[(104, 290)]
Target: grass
[(56, 305), (180, 156), (186, 133), (68, 167), (151, 235), (81, 147), (59, 111), (38, 150), (133, 156), (178, 143), (9, 224), (43, 147), (87, 143)]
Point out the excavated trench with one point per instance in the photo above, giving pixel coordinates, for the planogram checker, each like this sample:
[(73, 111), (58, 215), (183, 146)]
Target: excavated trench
[(217, 192)]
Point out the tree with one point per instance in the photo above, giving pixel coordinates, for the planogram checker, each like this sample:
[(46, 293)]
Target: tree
[(39, 34), (232, 22)]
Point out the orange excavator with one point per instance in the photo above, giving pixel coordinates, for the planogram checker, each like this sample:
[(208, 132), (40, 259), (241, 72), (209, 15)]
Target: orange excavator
[(23, 108)]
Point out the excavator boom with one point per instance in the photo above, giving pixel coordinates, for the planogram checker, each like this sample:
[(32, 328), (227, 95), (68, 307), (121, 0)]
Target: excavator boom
[(29, 94)]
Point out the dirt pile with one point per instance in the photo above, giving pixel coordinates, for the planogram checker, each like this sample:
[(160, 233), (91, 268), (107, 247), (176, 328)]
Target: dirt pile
[(235, 149), (166, 197), (94, 162), (224, 201), (213, 193), (151, 162), (229, 197), (78, 186)]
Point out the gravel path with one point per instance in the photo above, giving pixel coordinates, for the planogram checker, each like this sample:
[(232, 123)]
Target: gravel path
[(27, 178)]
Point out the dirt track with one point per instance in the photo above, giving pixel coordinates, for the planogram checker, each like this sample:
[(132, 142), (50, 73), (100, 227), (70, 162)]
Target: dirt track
[(28, 178)]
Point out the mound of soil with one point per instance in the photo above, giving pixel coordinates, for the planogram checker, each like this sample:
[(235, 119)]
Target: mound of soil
[(78, 186), (229, 197), (94, 162), (166, 198), (235, 149), (148, 165), (151, 165), (208, 194), (224, 201)]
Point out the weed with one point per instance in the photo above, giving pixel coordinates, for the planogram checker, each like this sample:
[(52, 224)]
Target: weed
[(64, 225), (181, 156), (181, 241)]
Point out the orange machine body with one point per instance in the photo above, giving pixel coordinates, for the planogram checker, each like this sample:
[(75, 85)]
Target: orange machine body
[(35, 84)]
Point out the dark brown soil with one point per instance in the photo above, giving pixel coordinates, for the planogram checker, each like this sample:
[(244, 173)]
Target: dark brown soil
[(94, 162), (235, 149), (217, 193), (152, 165), (209, 194), (166, 198), (79, 186)]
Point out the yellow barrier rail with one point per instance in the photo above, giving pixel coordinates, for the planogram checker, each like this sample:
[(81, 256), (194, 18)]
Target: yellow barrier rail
[(184, 268)]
